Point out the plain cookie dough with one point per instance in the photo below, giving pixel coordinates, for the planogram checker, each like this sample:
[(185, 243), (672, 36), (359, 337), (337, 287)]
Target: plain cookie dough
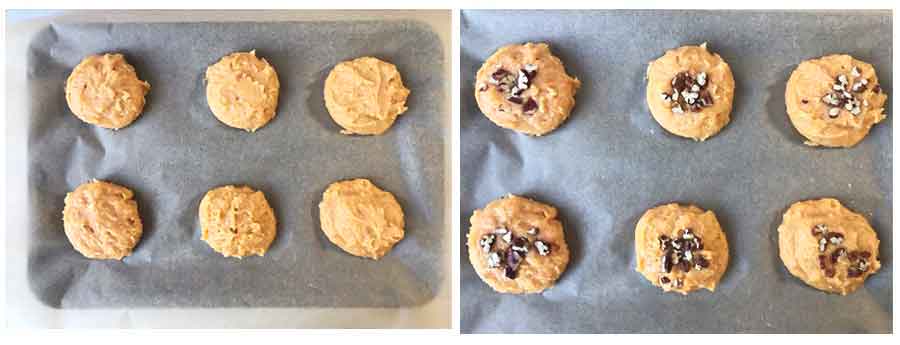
[(517, 245), (101, 220), (834, 100), (242, 91), (690, 92), (360, 218), (104, 90), (237, 221), (525, 88), (365, 95), (681, 248), (828, 246)]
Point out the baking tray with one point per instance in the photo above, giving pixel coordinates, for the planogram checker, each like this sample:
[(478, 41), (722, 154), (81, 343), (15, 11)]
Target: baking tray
[(610, 161), (177, 150)]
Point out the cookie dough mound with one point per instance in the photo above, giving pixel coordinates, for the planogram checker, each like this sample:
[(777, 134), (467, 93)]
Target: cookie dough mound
[(690, 92), (360, 218), (365, 95), (681, 248), (829, 247), (101, 220), (242, 91), (835, 100), (104, 90), (517, 245), (237, 221), (525, 88)]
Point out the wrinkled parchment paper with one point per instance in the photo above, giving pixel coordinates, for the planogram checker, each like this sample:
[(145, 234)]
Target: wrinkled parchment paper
[(177, 150), (611, 161)]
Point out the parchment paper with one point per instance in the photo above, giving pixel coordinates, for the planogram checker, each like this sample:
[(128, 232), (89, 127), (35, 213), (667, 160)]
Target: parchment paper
[(177, 150), (611, 161)]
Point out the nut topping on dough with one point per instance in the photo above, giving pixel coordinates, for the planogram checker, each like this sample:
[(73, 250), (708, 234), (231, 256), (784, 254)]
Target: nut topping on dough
[(514, 253), (858, 259), (486, 242), (682, 252), (688, 93), (512, 86), (843, 94)]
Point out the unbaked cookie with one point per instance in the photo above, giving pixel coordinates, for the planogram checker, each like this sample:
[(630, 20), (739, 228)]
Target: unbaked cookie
[(101, 220), (360, 218), (834, 100), (104, 90), (829, 247), (237, 221), (681, 248), (365, 95), (690, 92), (242, 91), (517, 245), (525, 88)]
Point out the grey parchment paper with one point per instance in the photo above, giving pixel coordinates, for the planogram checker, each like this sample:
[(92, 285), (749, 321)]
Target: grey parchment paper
[(177, 150), (611, 161)]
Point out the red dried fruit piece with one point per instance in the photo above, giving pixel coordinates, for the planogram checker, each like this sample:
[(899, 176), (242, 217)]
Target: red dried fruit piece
[(530, 106), (498, 75)]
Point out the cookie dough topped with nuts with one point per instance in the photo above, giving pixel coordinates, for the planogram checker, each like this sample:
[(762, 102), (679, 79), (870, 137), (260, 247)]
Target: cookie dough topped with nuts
[(517, 245), (828, 246), (525, 88), (681, 248), (690, 92), (834, 100)]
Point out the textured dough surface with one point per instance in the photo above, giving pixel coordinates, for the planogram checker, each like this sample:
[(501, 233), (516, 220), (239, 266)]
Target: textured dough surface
[(365, 95), (708, 121), (669, 220), (552, 89), (242, 91), (104, 90), (811, 81), (237, 221), (518, 215), (101, 220), (360, 218), (799, 249)]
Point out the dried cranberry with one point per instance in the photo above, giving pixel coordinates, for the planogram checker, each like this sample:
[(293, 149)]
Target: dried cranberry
[(515, 99), (701, 261), (499, 75), (530, 106), (837, 253), (876, 88), (513, 259), (829, 272), (823, 261), (864, 254)]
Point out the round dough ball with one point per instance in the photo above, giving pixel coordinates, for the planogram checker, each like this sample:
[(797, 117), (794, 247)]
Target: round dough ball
[(242, 91), (237, 221), (681, 248), (690, 92), (525, 88), (104, 90), (829, 247), (365, 95), (360, 218), (101, 220), (834, 100), (517, 245)]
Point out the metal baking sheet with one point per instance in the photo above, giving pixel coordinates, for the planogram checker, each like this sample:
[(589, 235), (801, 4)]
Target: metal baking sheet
[(177, 150), (611, 161)]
